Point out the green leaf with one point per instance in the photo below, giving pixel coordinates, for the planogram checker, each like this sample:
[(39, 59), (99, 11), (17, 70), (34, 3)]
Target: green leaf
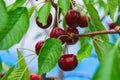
[(91, 1), (104, 5), (18, 74), (3, 16), (84, 40), (0, 65), (5, 77), (64, 24), (21, 60), (119, 2), (119, 8), (91, 27), (22, 72), (15, 5), (22, 64), (118, 20), (112, 5), (31, 10), (98, 26), (84, 52), (101, 47), (49, 55), (15, 29), (64, 5), (44, 12), (109, 68)]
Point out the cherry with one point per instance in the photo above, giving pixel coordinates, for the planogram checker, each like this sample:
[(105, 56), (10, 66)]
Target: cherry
[(58, 33), (112, 25), (49, 21), (72, 18), (34, 77), (68, 62), (1, 75), (38, 46), (84, 21), (71, 39)]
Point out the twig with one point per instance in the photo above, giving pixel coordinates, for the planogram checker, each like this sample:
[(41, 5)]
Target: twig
[(90, 34)]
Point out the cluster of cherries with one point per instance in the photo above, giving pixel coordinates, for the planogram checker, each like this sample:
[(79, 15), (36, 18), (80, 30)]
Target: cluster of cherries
[(74, 19)]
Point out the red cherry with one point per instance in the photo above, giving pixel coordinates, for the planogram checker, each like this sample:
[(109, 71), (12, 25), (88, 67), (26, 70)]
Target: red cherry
[(71, 39), (49, 21), (38, 46), (72, 18), (68, 62), (84, 21), (1, 75), (112, 25), (58, 33), (34, 77)]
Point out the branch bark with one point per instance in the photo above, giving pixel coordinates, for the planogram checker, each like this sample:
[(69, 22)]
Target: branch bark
[(90, 34)]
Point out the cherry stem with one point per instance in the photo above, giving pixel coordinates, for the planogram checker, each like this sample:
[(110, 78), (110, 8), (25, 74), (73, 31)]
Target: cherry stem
[(117, 42), (23, 58), (54, 4), (27, 49), (58, 18), (27, 3), (90, 34), (71, 4)]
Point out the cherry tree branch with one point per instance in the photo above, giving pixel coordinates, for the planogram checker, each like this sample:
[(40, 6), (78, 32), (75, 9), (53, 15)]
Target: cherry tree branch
[(90, 34)]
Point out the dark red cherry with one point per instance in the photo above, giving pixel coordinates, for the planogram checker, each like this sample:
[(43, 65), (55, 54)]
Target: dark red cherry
[(68, 62), (73, 18), (71, 39), (49, 21), (112, 25), (84, 21), (34, 77), (1, 75), (58, 33), (38, 46)]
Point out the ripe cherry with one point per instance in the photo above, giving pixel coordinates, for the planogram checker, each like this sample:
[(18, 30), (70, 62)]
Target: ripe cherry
[(49, 21), (68, 62), (58, 33), (1, 75), (84, 21), (71, 39), (34, 77), (73, 18), (112, 25), (38, 46)]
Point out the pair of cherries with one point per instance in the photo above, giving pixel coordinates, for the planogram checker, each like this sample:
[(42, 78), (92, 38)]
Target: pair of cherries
[(72, 18), (66, 62)]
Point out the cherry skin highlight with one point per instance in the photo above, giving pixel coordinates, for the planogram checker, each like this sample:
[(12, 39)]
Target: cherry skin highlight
[(49, 21), (68, 62), (58, 33), (84, 21), (73, 18), (34, 77), (38, 46), (71, 39), (112, 25)]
